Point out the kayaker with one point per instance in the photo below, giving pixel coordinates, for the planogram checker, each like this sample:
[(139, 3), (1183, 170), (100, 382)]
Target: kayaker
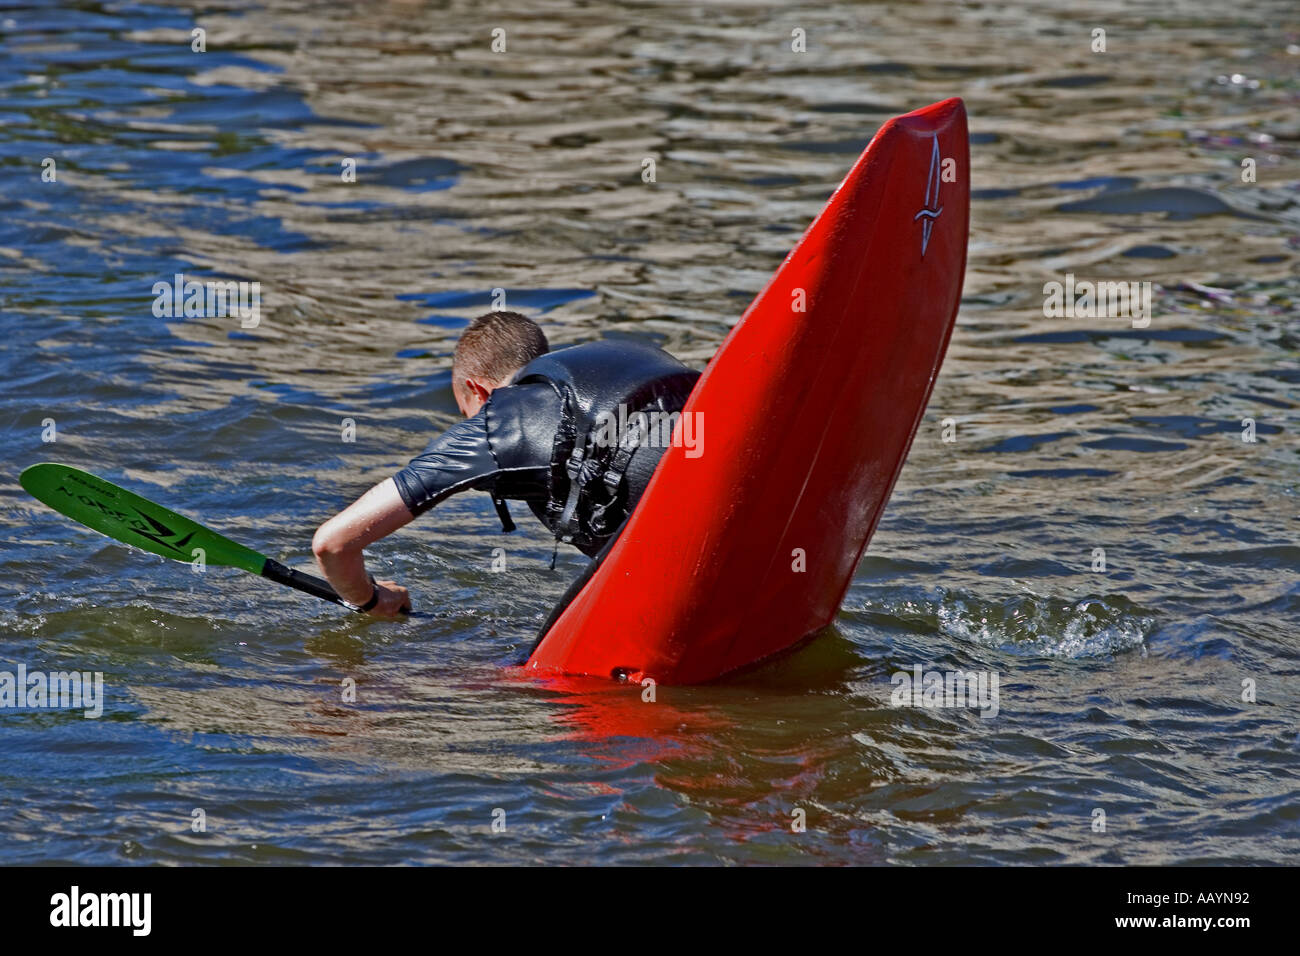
[(550, 429)]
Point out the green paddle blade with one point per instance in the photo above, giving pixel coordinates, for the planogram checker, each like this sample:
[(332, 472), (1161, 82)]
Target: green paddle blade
[(133, 520)]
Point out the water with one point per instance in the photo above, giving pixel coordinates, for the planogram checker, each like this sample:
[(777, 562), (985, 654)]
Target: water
[(1121, 690)]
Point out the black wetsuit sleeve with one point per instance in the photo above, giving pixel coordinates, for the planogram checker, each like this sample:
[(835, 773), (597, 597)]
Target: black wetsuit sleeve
[(458, 459)]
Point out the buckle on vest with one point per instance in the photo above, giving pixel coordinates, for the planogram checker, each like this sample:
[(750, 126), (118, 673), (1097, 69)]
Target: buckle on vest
[(574, 465)]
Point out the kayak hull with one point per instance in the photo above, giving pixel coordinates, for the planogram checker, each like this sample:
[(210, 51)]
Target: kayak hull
[(745, 545)]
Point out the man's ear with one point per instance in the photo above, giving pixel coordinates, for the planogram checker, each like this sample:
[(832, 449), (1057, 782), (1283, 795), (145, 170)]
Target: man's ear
[(477, 389)]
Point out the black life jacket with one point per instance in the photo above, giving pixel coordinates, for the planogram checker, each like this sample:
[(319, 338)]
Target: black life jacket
[(596, 469)]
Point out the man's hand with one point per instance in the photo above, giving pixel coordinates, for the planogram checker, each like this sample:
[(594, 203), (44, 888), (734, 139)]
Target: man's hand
[(339, 542), (394, 600)]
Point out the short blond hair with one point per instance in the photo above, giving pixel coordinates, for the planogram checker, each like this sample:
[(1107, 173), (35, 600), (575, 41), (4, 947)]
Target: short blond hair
[(496, 345)]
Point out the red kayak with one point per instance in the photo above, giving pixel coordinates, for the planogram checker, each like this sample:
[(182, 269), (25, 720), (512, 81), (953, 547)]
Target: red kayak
[(806, 415)]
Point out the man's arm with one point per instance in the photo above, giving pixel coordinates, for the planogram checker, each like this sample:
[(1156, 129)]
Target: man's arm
[(338, 544), (459, 459)]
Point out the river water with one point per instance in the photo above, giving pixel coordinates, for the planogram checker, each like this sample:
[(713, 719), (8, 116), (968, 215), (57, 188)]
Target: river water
[(1125, 693)]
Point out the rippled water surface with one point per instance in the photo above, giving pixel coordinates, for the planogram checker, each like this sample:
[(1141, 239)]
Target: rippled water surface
[(1121, 690)]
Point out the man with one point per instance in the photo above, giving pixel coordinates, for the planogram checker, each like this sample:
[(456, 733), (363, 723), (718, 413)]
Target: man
[(539, 428)]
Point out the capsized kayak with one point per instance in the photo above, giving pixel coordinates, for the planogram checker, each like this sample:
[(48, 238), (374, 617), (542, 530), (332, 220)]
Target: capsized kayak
[(746, 546)]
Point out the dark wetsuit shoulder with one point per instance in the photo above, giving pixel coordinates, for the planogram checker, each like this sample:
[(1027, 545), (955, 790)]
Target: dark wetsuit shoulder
[(513, 465)]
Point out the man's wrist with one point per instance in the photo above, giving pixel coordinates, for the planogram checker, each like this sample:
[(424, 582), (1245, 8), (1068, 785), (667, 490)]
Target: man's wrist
[(370, 602)]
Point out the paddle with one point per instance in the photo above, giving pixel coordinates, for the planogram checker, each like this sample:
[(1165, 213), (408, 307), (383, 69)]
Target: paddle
[(136, 521)]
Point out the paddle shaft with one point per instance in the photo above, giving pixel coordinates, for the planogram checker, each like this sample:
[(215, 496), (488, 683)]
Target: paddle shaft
[(307, 583)]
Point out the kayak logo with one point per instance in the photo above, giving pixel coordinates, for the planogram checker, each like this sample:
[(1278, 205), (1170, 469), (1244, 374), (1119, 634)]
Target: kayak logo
[(931, 210), (73, 909)]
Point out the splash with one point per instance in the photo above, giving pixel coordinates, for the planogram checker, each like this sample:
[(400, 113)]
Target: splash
[(1036, 627)]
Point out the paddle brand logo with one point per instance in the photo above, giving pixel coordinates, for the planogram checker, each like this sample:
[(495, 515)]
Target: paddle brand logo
[(161, 531), (74, 909), (61, 690), (146, 526), (935, 689), (931, 210), (192, 299)]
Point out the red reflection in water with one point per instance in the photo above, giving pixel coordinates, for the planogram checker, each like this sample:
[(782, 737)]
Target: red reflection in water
[(601, 711)]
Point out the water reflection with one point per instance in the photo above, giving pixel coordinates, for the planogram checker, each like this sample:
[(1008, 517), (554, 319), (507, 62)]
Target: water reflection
[(521, 171)]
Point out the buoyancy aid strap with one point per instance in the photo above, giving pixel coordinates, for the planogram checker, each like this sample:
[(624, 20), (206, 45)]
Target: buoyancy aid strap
[(606, 497), (585, 470), (577, 468), (646, 400), (507, 522), (613, 478), (561, 450), (627, 447)]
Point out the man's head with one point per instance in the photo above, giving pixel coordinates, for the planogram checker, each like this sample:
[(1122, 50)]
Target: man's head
[(490, 351)]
